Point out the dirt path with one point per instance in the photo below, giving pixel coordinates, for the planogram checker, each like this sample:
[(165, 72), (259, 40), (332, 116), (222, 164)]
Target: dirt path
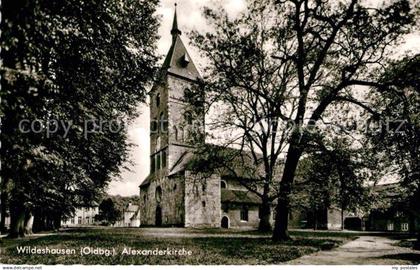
[(364, 250)]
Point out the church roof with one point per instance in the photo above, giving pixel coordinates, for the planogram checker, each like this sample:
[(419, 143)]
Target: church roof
[(224, 161), (178, 61), (239, 196)]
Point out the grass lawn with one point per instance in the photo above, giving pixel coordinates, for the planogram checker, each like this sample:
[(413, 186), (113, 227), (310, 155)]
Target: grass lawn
[(204, 250), (408, 243)]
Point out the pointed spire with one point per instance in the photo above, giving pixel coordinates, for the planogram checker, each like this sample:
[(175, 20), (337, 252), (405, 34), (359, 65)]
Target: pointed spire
[(175, 31)]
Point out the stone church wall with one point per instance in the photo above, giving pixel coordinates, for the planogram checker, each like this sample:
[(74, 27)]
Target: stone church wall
[(171, 202), (202, 201), (234, 215)]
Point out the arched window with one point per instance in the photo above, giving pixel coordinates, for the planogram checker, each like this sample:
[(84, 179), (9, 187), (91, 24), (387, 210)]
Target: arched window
[(158, 142), (153, 126), (181, 134), (152, 164), (158, 194), (188, 118), (158, 161), (176, 133), (163, 158), (162, 122), (157, 99), (223, 184)]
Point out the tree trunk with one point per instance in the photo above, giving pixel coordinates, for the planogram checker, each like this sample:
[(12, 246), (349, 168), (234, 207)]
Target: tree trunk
[(265, 211), (57, 221), (280, 232), (342, 218), (3, 198), (29, 221), (17, 220)]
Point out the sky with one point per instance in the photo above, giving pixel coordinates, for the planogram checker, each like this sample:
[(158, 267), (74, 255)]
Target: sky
[(189, 18), (189, 13)]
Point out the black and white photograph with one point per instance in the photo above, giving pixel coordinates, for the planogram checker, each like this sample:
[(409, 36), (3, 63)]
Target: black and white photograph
[(204, 133)]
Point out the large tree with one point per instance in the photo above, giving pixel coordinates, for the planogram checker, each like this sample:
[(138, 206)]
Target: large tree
[(333, 174), (108, 212), (80, 68), (398, 140), (286, 63)]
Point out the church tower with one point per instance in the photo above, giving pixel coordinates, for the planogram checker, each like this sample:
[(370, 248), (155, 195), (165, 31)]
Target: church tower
[(176, 110), (176, 126)]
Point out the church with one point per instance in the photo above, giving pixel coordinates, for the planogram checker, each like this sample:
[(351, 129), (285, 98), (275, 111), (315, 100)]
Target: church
[(172, 194), (175, 193)]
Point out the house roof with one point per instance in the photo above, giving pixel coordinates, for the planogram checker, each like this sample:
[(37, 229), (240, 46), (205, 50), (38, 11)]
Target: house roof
[(239, 196), (390, 190)]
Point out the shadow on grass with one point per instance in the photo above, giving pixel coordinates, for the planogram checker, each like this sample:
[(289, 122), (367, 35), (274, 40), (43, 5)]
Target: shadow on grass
[(205, 250), (411, 257)]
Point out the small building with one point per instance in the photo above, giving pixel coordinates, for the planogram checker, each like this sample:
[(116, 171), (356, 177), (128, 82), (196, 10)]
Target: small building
[(131, 215), (83, 216), (396, 214)]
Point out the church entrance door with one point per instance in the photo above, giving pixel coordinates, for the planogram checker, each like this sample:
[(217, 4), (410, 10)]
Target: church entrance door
[(225, 222), (158, 220)]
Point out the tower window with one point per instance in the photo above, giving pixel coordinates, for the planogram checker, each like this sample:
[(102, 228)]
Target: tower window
[(158, 142), (181, 134), (152, 164), (162, 122), (153, 126), (158, 194), (157, 99), (185, 60), (164, 159), (203, 203), (158, 161), (176, 133), (244, 213)]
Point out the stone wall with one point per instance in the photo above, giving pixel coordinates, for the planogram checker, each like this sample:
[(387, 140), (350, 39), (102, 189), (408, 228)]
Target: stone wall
[(234, 215), (171, 202), (202, 200)]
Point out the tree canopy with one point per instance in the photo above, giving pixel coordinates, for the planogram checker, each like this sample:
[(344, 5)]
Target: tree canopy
[(280, 66), (74, 73)]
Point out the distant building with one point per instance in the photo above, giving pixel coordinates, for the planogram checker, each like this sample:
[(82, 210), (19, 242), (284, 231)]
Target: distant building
[(398, 216), (395, 215), (83, 216), (130, 216)]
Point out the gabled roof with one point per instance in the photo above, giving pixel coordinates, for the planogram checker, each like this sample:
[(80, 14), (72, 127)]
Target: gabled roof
[(181, 163), (146, 181), (239, 196), (178, 61)]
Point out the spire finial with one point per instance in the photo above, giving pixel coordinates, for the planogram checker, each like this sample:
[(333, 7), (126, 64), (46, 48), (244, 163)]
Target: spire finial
[(175, 31)]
